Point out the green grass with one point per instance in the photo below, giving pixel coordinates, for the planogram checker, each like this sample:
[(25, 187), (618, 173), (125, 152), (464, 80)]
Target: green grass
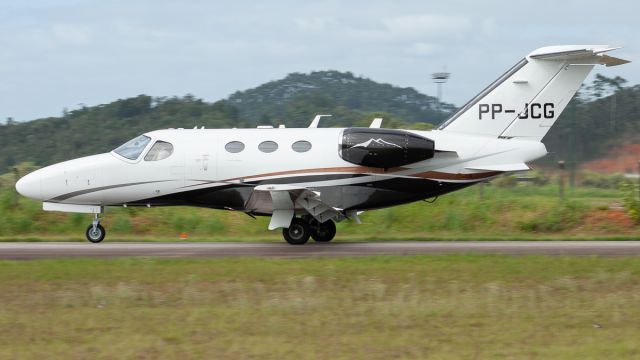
[(445, 307), (522, 212)]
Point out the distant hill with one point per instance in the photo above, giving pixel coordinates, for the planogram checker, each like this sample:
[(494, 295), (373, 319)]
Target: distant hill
[(101, 128), (292, 101), (296, 98), (604, 115)]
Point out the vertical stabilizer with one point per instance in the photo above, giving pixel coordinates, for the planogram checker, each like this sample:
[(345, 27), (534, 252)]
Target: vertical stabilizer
[(527, 100)]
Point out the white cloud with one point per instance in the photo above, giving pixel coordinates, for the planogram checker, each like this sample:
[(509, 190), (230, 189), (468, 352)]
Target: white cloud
[(315, 24), (428, 26), (101, 50), (422, 49), (74, 34)]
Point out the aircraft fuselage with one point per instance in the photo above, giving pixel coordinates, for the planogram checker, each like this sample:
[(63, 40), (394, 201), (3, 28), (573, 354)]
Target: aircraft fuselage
[(201, 171)]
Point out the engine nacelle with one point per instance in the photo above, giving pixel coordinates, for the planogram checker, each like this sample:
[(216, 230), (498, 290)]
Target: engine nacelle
[(384, 148)]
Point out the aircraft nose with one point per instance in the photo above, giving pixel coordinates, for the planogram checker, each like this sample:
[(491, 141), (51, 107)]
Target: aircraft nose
[(30, 186)]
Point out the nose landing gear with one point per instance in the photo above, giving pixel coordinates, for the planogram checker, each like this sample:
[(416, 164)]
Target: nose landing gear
[(95, 232)]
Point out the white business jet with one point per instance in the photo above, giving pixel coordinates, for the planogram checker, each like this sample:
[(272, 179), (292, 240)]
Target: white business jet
[(307, 179)]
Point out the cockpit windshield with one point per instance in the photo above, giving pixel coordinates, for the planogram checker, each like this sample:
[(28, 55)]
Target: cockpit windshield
[(133, 148)]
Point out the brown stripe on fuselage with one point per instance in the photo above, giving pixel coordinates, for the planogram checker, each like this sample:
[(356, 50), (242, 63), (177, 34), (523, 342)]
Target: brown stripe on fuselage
[(347, 169), (435, 175)]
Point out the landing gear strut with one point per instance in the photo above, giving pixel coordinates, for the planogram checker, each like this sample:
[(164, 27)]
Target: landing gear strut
[(95, 232), (301, 229)]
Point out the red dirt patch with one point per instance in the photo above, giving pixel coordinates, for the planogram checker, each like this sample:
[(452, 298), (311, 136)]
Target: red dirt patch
[(610, 220), (622, 159)]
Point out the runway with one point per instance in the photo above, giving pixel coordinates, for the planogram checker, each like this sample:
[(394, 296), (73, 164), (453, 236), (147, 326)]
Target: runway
[(9, 250)]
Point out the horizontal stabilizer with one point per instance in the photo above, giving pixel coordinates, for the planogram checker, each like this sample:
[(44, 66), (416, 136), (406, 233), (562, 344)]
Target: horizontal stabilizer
[(577, 53), (501, 167), (612, 61)]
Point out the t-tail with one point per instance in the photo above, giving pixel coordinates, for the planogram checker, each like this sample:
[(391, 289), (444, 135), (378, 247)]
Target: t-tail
[(527, 100)]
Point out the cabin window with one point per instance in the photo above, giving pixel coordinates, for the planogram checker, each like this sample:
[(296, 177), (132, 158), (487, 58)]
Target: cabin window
[(268, 146), (159, 151), (133, 148), (301, 146), (234, 147)]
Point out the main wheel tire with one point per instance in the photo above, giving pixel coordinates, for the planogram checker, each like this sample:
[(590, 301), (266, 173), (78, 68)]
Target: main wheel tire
[(96, 235), (298, 232), (324, 232)]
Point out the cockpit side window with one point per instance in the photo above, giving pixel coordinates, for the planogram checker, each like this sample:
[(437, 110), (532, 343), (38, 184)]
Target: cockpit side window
[(133, 148), (159, 151)]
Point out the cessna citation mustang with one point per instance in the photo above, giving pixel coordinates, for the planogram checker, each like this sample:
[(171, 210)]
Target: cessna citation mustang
[(307, 179)]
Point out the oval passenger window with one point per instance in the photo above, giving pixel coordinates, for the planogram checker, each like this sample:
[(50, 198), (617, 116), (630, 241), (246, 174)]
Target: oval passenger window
[(268, 146), (301, 146), (234, 147)]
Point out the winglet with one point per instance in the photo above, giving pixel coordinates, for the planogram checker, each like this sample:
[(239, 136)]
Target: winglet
[(376, 123), (316, 120)]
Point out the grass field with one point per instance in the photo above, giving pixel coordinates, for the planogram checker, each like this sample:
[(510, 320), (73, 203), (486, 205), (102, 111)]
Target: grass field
[(521, 212), (445, 307)]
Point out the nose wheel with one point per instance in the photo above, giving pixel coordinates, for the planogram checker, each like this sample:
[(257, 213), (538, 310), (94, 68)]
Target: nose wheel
[(95, 232)]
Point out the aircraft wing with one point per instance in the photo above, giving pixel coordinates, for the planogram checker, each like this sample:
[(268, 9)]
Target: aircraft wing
[(286, 199)]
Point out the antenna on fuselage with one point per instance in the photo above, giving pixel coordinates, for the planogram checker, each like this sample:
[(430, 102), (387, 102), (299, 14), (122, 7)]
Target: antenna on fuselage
[(316, 120)]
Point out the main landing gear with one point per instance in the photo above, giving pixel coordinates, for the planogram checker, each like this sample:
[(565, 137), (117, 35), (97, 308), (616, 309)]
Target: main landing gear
[(95, 232), (301, 229)]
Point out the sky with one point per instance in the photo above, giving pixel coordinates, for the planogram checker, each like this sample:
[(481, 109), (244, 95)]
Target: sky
[(57, 54)]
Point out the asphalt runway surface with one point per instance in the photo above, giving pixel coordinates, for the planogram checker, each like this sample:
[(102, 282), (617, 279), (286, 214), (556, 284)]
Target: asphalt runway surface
[(16, 250)]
